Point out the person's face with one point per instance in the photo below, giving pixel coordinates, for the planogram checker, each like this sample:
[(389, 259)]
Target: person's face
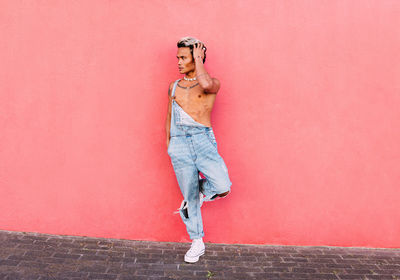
[(185, 60)]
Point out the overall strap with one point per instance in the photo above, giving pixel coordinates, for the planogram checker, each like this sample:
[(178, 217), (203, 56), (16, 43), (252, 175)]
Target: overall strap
[(173, 89)]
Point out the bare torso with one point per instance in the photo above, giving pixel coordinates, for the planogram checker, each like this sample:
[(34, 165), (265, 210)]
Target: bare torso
[(195, 102)]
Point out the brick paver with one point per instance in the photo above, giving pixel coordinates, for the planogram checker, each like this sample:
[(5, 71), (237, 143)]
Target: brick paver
[(44, 256)]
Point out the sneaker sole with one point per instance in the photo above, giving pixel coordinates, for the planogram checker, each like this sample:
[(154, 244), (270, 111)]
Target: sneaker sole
[(194, 259)]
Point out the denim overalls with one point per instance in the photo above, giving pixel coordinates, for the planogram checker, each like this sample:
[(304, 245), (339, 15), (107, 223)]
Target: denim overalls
[(193, 148)]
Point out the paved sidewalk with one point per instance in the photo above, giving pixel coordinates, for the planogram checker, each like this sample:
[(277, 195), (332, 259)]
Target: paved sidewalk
[(44, 256)]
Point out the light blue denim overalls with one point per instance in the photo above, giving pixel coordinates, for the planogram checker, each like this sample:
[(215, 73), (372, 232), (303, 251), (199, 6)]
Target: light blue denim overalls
[(193, 148)]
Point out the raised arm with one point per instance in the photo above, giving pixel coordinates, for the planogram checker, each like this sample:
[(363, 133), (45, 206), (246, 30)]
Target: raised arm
[(210, 85)]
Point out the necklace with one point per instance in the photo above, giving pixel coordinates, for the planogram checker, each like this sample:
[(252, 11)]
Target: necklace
[(187, 88), (189, 79)]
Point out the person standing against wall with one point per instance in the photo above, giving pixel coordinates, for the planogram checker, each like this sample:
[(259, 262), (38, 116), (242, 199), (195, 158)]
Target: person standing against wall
[(191, 142)]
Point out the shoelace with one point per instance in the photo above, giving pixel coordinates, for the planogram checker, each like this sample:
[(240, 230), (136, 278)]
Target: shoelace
[(194, 244)]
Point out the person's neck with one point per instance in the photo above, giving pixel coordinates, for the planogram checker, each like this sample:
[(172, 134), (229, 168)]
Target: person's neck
[(191, 75)]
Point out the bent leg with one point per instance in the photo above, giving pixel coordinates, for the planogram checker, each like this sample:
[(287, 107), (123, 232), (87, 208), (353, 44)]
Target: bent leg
[(213, 167)]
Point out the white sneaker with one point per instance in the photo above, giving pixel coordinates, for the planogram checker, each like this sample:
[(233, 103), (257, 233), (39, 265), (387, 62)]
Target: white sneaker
[(196, 250)]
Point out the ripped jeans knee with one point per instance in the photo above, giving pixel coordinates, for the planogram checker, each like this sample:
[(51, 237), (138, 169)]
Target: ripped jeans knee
[(184, 209)]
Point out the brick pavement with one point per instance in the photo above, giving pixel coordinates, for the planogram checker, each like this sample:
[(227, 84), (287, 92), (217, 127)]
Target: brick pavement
[(44, 256)]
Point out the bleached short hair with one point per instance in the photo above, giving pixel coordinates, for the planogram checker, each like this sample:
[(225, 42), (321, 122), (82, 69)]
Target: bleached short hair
[(190, 42)]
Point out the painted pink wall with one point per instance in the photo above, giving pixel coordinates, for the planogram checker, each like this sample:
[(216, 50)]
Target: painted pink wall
[(307, 119)]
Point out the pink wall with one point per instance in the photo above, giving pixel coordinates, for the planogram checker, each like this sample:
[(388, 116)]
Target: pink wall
[(307, 119)]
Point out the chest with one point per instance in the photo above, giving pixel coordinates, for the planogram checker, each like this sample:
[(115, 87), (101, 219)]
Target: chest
[(190, 95)]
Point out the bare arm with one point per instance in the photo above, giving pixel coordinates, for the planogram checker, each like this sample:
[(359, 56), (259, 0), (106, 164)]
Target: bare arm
[(168, 119), (210, 85)]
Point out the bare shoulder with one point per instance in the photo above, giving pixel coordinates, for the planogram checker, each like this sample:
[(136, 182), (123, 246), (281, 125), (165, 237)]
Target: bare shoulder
[(170, 88)]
